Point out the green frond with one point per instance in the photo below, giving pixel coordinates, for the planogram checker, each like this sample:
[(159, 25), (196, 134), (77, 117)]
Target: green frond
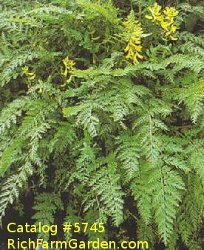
[(105, 184), (12, 185), (13, 68), (9, 114), (105, 10), (46, 207)]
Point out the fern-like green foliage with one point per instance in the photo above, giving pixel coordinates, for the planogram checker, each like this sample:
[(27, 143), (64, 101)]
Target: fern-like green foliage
[(46, 207), (100, 138)]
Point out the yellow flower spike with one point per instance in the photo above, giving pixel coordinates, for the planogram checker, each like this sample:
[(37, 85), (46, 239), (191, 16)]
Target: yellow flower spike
[(134, 31), (69, 64), (69, 68), (155, 11)]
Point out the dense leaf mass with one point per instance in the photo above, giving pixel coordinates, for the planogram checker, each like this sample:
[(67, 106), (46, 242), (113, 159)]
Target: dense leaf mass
[(102, 115)]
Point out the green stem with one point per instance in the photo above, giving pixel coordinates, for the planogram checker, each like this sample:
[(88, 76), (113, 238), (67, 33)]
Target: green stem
[(131, 4)]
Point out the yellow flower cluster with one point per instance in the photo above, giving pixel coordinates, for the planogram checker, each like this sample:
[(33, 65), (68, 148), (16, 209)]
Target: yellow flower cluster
[(69, 68), (30, 75), (134, 47), (165, 19)]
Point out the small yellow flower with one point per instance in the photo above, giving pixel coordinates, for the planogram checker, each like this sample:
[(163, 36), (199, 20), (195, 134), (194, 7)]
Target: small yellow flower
[(134, 33), (165, 25), (30, 75), (40, 91)]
